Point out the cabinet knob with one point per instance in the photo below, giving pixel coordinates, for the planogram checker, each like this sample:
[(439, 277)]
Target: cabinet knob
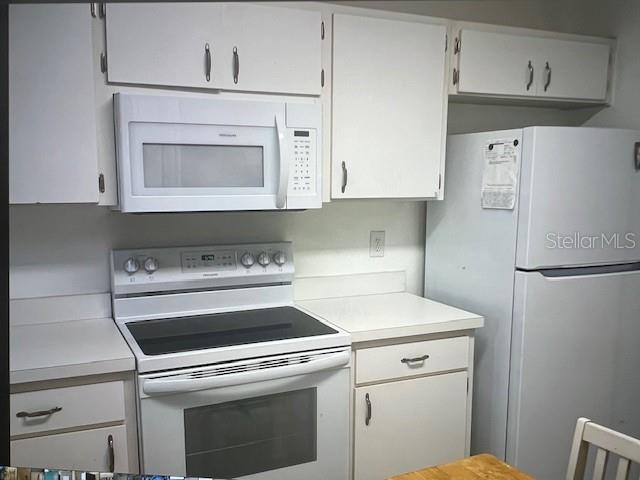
[(368, 417)]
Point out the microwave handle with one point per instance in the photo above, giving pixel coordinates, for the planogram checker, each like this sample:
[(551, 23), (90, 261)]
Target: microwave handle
[(152, 386), (283, 181)]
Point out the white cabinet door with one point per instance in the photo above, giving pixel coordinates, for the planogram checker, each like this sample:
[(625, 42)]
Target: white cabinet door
[(512, 64), (413, 424), (84, 450), (165, 44), (573, 70), (389, 108), (497, 63), (277, 49), (52, 128), (250, 47)]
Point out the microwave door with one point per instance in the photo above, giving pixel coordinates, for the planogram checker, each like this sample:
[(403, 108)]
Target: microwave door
[(185, 167)]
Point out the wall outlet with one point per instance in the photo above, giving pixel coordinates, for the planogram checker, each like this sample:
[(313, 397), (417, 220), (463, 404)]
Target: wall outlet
[(376, 243)]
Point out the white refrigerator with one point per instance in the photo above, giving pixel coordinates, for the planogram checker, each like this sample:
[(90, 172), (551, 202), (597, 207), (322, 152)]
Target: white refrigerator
[(557, 278)]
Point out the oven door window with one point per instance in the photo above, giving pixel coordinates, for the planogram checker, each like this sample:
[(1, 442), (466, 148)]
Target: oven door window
[(202, 160), (252, 435)]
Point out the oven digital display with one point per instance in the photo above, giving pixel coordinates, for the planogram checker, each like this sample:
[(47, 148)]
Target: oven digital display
[(210, 257)]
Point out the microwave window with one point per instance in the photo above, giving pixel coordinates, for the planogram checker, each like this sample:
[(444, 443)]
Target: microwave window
[(202, 166), (251, 435)]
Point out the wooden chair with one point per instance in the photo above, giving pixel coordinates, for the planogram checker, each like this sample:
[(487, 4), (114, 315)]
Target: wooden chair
[(606, 441)]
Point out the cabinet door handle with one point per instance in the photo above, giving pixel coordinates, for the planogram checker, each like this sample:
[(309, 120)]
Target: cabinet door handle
[(368, 401), (39, 413), (112, 454), (207, 61), (236, 65), (414, 359), (530, 81), (547, 72), (345, 176)]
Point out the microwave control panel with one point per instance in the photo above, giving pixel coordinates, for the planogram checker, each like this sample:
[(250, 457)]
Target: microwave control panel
[(302, 172)]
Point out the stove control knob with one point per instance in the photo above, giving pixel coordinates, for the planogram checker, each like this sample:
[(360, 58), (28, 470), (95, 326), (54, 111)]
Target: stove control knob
[(131, 265), (279, 258), (263, 259), (151, 265), (247, 260)]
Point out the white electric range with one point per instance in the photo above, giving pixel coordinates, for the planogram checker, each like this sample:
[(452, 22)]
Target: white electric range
[(234, 379)]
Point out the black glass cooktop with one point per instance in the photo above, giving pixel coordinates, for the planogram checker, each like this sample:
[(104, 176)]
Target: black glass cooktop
[(171, 335)]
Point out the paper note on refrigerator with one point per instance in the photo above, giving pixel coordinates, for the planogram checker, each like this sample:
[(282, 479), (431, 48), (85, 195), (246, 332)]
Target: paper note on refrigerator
[(500, 175)]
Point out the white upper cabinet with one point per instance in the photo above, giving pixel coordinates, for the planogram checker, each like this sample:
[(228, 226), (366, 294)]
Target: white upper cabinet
[(165, 44), (388, 108), (215, 45), (52, 128), (498, 62), (571, 69), (277, 49), (495, 64)]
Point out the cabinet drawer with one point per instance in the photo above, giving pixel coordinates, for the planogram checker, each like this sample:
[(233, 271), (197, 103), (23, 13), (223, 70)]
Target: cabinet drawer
[(395, 361), (79, 406), (85, 450)]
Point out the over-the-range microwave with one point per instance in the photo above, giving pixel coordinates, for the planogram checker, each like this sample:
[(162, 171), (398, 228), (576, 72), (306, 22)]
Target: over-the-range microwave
[(185, 154)]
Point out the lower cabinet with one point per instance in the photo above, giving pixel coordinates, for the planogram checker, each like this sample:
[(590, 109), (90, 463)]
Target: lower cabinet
[(415, 412), (72, 425), (98, 449), (411, 424)]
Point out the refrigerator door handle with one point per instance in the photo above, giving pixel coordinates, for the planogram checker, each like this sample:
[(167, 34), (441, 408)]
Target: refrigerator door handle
[(590, 270)]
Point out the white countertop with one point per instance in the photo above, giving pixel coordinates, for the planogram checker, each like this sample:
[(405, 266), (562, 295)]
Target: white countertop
[(71, 348), (391, 315)]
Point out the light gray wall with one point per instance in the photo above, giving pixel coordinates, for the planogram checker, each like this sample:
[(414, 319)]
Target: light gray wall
[(63, 249), (619, 19)]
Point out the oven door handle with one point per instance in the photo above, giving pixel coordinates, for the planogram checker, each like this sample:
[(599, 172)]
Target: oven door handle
[(283, 181), (152, 386)]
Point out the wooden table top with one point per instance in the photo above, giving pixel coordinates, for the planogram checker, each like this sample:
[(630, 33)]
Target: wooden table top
[(478, 467)]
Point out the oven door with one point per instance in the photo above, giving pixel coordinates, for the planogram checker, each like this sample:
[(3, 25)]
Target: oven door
[(185, 154), (289, 421)]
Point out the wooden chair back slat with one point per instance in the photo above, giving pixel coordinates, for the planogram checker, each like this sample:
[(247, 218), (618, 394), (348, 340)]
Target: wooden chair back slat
[(607, 441), (601, 464)]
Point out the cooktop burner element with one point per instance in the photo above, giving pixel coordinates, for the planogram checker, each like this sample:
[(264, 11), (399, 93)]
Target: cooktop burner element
[(172, 335)]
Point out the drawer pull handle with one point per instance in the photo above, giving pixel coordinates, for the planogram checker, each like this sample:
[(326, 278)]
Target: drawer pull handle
[(112, 454), (39, 413), (414, 359), (368, 401)]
